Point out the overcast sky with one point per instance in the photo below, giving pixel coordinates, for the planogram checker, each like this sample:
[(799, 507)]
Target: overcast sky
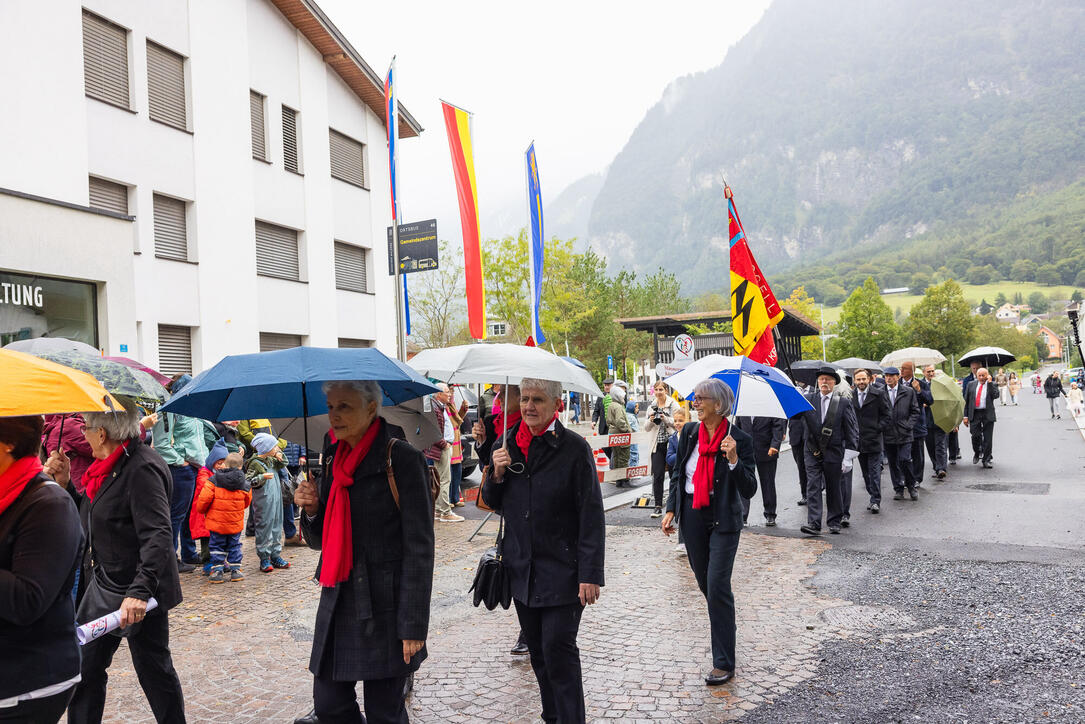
[(575, 77)]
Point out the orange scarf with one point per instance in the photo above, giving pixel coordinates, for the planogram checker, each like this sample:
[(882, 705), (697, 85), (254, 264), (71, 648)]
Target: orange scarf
[(706, 463), (15, 478), (338, 543)]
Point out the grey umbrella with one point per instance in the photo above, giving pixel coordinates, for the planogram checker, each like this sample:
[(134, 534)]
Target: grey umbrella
[(51, 345)]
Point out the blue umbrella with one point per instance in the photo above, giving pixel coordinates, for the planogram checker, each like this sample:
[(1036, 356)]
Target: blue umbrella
[(760, 390)]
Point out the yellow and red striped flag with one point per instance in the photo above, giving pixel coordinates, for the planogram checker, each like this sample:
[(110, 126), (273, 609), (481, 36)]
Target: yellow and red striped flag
[(458, 127), (754, 309)]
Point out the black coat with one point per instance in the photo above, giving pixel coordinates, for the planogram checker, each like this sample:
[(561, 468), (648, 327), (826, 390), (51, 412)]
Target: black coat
[(386, 599), (1052, 387), (925, 399), (128, 527), (970, 399), (40, 544), (796, 431), (555, 530), (845, 430), (873, 418), (728, 486), (905, 415), (767, 432), (599, 415)]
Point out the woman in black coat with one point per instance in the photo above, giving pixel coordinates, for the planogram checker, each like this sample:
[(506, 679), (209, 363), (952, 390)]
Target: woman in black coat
[(126, 513), (545, 486), (40, 542), (376, 567), (713, 472)]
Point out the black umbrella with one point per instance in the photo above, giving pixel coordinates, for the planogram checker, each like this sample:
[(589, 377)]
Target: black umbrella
[(987, 356), (806, 371)]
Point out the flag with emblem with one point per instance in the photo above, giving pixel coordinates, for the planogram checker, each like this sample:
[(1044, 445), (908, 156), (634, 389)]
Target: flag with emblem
[(754, 309)]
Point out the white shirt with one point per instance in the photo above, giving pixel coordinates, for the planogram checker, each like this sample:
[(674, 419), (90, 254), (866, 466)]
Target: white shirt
[(691, 468), (450, 428), (983, 395), (893, 394)]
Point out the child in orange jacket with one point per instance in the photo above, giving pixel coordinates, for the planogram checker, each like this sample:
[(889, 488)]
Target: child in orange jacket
[(223, 501)]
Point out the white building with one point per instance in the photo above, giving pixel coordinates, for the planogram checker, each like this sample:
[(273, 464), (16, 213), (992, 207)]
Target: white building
[(180, 181)]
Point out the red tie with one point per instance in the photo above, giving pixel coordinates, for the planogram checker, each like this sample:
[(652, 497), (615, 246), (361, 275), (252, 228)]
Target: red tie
[(979, 391)]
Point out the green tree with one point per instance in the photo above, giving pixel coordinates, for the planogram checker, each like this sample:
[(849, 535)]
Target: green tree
[(941, 320), (1000, 299), (866, 327), (1038, 303), (984, 308), (1018, 298), (1048, 275), (1076, 296), (1023, 270), (981, 274), (438, 313), (1079, 280), (804, 304)]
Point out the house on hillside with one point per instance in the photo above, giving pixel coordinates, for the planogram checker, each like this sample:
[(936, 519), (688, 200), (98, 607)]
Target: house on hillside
[(1053, 341), (1008, 314)]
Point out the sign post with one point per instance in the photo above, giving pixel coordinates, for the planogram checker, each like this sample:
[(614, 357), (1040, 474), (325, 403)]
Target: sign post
[(683, 356), (412, 247)]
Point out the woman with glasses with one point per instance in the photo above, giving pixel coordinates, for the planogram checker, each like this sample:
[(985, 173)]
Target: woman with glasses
[(713, 471), (545, 486)]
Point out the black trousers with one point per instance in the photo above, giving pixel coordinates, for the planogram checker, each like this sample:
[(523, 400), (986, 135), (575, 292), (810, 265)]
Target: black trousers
[(823, 478), (659, 471), (953, 445), (150, 648), (550, 633), (711, 554), (766, 483), (846, 482), (982, 430), (47, 710), (871, 466), (799, 453), (919, 460), (336, 702), (936, 448), (900, 465)]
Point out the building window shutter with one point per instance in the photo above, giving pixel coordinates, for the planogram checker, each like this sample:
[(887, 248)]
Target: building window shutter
[(256, 120), (346, 343), (350, 268), (277, 252), (347, 159), (166, 86), (174, 350), (108, 195), (290, 139), (170, 228), (269, 342), (105, 60)]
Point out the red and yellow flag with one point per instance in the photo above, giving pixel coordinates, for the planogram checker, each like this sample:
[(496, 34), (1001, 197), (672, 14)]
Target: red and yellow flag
[(458, 127), (754, 309)]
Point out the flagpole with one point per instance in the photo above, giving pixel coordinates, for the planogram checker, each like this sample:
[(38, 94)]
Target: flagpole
[(400, 281)]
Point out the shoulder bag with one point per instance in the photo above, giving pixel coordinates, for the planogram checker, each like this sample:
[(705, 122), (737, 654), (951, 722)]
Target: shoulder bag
[(491, 585), (431, 474)]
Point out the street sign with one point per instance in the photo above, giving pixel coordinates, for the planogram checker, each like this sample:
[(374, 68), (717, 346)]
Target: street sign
[(417, 247), (683, 348), (610, 364)]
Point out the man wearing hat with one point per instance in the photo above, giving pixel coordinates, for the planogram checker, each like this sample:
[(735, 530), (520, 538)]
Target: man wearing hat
[(830, 429), (904, 413)]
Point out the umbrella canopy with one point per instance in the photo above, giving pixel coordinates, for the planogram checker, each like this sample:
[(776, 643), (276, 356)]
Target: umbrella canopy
[(482, 363), (158, 376), (987, 356), (850, 364), (806, 370), (419, 427), (35, 386), (760, 390), (287, 383), (575, 361), (922, 356), (119, 379), (948, 406), (45, 345)]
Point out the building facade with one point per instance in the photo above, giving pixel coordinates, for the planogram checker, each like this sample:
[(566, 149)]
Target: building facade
[(186, 180)]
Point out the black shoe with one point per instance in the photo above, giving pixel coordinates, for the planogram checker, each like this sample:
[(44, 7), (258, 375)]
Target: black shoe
[(941, 475), (712, 678), (845, 522), (810, 530), (874, 508), (520, 649), (658, 512), (770, 521), (987, 464), (899, 495), (183, 567), (953, 461), (913, 493), (801, 502), (975, 459), (309, 718), (834, 529)]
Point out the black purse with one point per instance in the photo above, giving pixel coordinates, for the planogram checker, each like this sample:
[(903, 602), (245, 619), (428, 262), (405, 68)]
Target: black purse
[(102, 596), (491, 585)]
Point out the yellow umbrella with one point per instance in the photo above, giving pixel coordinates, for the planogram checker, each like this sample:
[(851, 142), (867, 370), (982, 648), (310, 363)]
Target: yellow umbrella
[(30, 385)]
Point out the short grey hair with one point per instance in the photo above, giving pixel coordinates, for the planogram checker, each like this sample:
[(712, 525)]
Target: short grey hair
[(119, 425), (718, 390), (550, 388), (368, 390)]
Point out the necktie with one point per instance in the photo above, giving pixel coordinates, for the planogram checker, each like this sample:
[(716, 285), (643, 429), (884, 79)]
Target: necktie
[(979, 392), (824, 406), (892, 395), (862, 399)]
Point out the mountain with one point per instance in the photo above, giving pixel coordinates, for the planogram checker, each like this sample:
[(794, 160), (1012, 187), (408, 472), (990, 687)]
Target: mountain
[(567, 215), (849, 129)]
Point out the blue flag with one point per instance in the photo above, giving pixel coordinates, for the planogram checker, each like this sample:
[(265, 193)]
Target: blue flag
[(536, 245)]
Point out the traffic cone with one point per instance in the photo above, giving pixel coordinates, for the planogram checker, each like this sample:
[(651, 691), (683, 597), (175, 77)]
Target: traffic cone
[(602, 464)]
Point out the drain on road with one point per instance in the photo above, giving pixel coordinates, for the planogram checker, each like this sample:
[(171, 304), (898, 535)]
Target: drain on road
[(1020, 488), (867, 618)]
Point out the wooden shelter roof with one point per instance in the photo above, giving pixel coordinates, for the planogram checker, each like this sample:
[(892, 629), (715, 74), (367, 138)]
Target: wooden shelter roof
[(792, 325)]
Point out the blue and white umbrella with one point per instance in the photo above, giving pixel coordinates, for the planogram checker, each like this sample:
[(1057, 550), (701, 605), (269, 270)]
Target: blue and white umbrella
[(760, 390)]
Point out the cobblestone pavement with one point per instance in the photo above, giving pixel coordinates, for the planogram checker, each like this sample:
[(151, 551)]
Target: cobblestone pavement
[(241, 649)]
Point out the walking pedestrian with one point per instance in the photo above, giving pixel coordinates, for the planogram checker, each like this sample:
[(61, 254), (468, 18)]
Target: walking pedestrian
[(1003, 382), (439, 455), (1015, 387), (796, 435), (767, 434), (455, 466), (904, 413), (263, 472), (979, 416), (873, 419), (599, 413), (660, 420), (922, 389), (574, 407), (1075, 400), (830, 430), (935, 439), (1053, 389)]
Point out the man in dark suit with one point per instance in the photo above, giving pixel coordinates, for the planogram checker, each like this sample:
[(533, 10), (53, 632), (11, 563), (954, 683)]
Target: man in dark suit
[(953, 442), (768, 436), (979, 415), (872, 415), (830, 429), (922, 390), (936, 437), (904, 413)]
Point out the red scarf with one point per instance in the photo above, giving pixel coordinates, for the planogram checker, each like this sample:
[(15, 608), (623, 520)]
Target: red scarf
[(15, 478), (524, 435), (338, 546), (706, 463), (99, 470)]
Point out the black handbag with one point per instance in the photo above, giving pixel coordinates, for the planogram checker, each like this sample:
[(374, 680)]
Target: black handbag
[(102, 596), (491, 584)]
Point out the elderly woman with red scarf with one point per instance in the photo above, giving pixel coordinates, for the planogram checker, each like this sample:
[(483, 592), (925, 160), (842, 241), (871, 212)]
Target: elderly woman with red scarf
[(545, 486), (713, 471), (376, 563)]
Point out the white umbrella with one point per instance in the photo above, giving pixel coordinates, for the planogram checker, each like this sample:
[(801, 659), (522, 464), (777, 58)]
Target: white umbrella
[(487, 363), (919, 355)]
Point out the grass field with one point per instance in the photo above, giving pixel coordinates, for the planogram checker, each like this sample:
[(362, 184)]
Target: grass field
[(973, 293)]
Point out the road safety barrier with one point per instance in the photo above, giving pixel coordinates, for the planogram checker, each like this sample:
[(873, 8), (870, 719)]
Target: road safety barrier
[(646, 440)]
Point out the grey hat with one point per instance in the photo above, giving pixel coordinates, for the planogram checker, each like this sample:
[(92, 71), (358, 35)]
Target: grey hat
[(608, 381), (891, 371)]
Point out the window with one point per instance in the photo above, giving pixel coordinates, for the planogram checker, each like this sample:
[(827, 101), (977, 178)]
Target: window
[(256, 120), (166, 86), (174, 350), (269, 342), (347, 343), (170, 228), (108, 196), (350, 268), (277, 252), (105, 61), (347, 159), (290, 139), (497, 329)]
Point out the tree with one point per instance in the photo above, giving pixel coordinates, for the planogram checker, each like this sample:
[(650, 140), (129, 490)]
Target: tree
[(1018, 298), (1076, 296), (1000, 299), (984, 308), (866, 327), (941, 320), (804, 304), (438, 314), (1038, 303), (1048, 275), (1079, 280), (919, 283), (981, 274), (1023, 270), (989, 331), (505, 276)]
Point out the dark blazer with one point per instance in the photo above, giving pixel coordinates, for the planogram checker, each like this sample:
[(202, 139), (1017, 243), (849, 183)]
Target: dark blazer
[(905, 414), (766, 432), (128, 527), (873, 418), (672, 449), (555, 531), (845, 430), (485, 448), (386, 599), (40, 544), (925, 399), (970, 399), (599, 415), (728, 487), (796, 431)]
